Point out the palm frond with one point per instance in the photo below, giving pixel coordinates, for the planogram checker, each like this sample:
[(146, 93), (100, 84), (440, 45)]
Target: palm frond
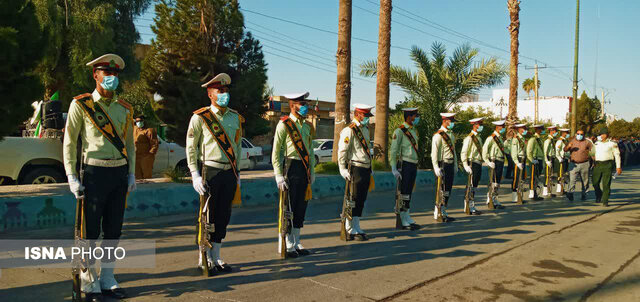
[(369, 68)]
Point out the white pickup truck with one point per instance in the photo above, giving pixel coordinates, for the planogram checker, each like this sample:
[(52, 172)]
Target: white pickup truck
[(29, 160)]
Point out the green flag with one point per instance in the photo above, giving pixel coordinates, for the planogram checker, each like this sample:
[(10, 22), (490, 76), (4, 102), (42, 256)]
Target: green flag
[(55, 97)]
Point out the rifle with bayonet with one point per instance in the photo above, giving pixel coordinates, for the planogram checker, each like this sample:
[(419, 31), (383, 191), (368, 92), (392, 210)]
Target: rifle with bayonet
[(347, 207), (79, 234), (285, 220), (399, 200)]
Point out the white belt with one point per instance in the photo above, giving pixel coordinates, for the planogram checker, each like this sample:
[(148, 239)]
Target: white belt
[(109, 163), (361, 165), (217, 165)]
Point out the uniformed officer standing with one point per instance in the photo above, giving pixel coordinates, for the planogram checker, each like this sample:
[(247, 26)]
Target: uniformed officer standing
[(606, 155), (403, 159), (519, 156), (293, 161), (109, 165), (444, 159), (214, 137), (562, 158), (535, 157), (146, 140), (495, 156), (471, 157), (354, 160), (549, 151)]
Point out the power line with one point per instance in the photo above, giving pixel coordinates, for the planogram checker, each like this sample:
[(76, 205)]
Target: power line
[(301, 57), (318, 29)]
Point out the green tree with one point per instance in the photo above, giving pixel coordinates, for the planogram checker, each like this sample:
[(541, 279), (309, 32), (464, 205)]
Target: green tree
[(528, 86), (438, 84), (78, 32), (21, 43), (195, 40), (622, 128), (588, 112)]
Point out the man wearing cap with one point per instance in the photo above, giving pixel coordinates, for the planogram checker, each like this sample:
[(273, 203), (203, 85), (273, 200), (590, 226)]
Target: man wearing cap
[(518, 155), (214, 137), (471, 157), (354, 161), (146, 140), (561, 160), (104, 125), (444, 159), (535, 157), (607, 155), (403, 159), (293, 161), (579, 149), (495, 156), (549, 151)]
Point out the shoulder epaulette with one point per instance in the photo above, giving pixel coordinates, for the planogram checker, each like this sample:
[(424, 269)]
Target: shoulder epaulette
[(125, 105), (82, 96), (201, 110), (401, 126), (284, 118), (240, 117), (352, 125)]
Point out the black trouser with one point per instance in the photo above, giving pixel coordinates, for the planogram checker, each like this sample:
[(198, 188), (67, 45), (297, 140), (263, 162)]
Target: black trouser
[(297, 181), (497, 172), (517, 176), (447, 169), (222, 188), (361, 178), (408, 171), (105, 191), (556, 166), (476, 169), (510, 167), (536, 170)]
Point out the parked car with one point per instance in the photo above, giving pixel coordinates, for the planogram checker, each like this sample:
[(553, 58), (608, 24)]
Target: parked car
[(323, 149), (250, 156), (169, 156)]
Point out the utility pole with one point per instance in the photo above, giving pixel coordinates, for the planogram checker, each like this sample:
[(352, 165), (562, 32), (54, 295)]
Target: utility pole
[(574, 101), (602, 104), (535, 92)]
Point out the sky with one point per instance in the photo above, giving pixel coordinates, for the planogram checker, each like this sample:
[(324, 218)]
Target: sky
[(303, 59)]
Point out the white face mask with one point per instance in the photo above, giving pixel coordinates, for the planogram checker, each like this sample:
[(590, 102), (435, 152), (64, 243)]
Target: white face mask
[(140, 124)]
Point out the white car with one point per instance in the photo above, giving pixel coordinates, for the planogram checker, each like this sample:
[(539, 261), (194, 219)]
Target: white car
[(323, 149), (250, 156), (169, 156)]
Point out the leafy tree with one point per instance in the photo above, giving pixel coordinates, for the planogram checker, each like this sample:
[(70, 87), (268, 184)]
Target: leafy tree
[(528, 86), (137, 94), (589, 113), (438, 84), (196, 40), (79, 31), (21, 43)]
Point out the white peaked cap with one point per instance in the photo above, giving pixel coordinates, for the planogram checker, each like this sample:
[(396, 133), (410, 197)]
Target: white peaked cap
[(108, 60), (409, 109), (475, 120), (499, 123), (222, 78), (296, 96), (565, 129), (520, 125)]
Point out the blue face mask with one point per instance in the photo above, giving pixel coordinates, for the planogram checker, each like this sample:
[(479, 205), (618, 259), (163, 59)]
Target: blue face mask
[(524, 132), (451, 125), (109, 83), (480, 129), (416, 120), (303, 110), (503, 130), (579, 137), (543, 132), (555, 134), (365, 121), (223, 99)]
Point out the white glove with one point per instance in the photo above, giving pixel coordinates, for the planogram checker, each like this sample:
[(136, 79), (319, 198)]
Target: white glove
[(345, 174), (74, 185), (313, 178), (437, 171), (198, 183), (521, 166), (132, 183), (467, 168), (548, 163), (396, 173), (535, 161), (282, 185), (491, 165)]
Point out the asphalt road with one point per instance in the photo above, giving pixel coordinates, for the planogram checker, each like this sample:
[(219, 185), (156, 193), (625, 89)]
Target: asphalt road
[(551, 250)]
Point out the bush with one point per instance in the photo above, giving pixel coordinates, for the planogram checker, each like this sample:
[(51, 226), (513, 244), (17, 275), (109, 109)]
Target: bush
[(327, 168), (380, 166)]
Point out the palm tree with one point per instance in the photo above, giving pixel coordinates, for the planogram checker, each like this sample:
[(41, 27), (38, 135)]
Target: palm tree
[(514, 30), (527, 86), (343, 81), (381, 138), (439, 82)]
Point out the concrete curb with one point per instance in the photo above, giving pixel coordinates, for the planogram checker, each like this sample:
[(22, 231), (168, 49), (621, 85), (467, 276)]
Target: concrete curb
[(57, 207)]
